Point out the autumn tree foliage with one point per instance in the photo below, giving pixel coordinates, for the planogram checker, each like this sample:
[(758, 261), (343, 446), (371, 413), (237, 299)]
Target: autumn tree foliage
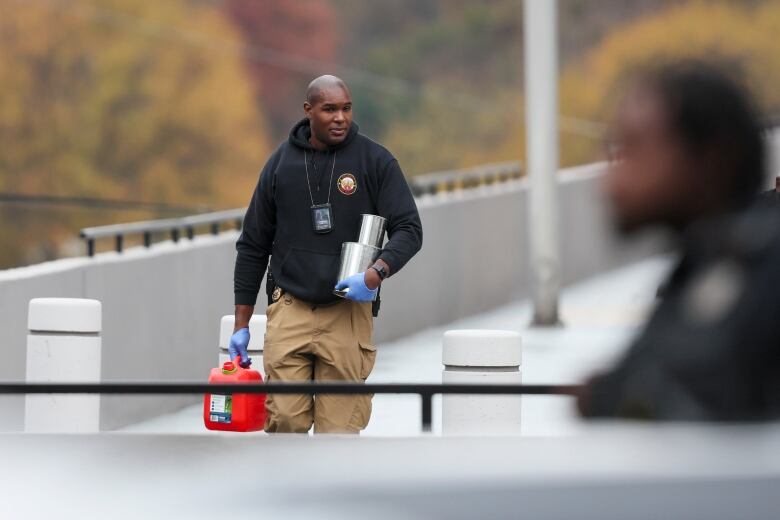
[(136, 100), (288, 43)]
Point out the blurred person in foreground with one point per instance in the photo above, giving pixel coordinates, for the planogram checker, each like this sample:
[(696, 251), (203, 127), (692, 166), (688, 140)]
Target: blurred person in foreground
[(687, 155)]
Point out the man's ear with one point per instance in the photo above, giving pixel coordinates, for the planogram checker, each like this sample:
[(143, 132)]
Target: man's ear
[(307, 109)]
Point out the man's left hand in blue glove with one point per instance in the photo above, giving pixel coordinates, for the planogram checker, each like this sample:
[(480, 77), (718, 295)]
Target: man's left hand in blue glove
[(357, 286), (239, 344)]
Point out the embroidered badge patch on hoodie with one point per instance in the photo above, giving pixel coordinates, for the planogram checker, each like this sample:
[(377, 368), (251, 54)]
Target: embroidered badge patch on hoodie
[(347, 184)]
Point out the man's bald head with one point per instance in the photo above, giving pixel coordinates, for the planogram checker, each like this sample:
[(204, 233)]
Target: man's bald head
[(320, 85), (328, 108)]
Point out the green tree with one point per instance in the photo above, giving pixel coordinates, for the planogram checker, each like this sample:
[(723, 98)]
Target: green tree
[(739, 35), (476, 114)]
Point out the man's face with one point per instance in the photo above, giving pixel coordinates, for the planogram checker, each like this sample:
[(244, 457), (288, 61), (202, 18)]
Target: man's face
[(650, 178), (330, 115)]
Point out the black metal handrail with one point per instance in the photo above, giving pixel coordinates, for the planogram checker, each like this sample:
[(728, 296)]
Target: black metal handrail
[(174, 226), (429, 183), (452, 180), (426, 391)]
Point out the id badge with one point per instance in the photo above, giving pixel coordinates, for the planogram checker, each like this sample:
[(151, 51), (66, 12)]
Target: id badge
[(322, 218)]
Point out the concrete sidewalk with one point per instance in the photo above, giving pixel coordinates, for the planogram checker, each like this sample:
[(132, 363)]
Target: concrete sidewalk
[(600, 316)]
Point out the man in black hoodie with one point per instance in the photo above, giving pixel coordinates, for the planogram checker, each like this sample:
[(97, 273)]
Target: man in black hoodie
[(309, 200)]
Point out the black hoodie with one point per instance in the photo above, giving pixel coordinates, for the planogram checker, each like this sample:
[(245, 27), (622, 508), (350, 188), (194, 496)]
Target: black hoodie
[(366, 179)]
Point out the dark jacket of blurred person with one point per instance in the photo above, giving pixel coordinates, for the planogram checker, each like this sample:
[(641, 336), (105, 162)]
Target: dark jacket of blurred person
[(688, 155), (771, 198)]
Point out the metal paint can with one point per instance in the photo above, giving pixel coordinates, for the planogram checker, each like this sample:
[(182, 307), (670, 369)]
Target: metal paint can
[(355, 258), (372, 230)]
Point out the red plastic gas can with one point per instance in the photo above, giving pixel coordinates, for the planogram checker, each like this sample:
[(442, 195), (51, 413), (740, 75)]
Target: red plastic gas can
[(234, 412)]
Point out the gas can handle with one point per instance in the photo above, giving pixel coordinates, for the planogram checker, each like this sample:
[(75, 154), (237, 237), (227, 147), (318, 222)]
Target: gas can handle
[(238, 362)]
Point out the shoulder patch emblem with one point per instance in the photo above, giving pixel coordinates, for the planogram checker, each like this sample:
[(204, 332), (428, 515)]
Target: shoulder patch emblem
[(347, 184)]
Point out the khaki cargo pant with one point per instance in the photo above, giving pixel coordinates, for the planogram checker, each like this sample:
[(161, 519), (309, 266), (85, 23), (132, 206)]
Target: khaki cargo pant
[(331, 343)]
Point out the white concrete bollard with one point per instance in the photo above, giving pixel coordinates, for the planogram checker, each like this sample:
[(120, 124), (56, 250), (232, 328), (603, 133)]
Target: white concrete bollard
[(63, 345), (483, 357), (256, 339)]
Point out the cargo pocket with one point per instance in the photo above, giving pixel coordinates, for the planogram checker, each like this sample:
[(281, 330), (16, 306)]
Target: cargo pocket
[(367, 359)]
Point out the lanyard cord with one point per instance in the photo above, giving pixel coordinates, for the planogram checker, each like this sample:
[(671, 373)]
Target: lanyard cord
[(308, 183)]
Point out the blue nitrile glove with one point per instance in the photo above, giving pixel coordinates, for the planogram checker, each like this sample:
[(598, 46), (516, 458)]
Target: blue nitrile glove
[(238, 344), (358, 290)]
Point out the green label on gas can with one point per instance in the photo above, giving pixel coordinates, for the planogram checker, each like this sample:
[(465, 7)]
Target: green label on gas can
[(221, 408)]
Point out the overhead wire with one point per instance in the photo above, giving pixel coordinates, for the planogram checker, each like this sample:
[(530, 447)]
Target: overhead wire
[(95, 202)]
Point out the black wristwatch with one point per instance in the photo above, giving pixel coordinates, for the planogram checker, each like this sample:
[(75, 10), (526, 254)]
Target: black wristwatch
[(380, 270)]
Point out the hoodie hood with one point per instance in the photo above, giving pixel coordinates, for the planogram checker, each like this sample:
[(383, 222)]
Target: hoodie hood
[(301, 132)]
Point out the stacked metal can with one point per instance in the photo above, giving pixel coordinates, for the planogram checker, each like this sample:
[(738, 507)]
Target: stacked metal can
[(356, 257)]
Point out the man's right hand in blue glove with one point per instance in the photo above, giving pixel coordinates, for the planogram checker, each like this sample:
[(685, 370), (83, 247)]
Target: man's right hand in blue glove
[(238, 347)]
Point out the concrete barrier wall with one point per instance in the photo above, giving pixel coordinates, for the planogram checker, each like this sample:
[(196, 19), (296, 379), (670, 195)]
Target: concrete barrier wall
[(161, 307), (161, 318)]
